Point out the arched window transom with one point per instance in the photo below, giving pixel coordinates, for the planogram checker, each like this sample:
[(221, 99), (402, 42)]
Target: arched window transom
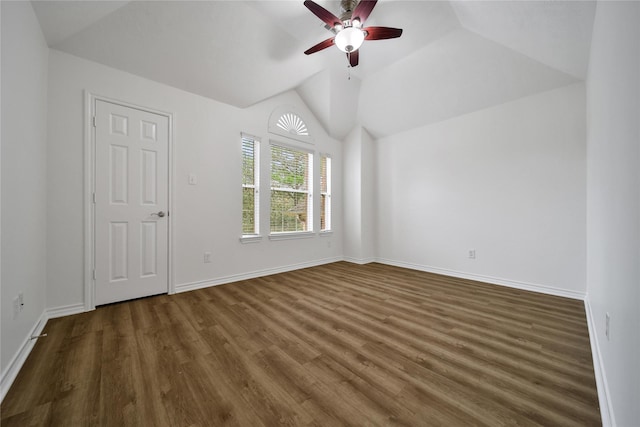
[(286, 121), (292, 124)]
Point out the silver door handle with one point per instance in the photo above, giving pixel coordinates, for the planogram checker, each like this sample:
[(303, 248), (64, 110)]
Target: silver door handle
[(159, 214)]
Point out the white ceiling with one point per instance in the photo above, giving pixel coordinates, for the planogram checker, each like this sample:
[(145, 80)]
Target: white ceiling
[(454, 57)]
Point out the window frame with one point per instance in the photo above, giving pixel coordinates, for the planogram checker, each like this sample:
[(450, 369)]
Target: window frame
[(309, 223), (255, 236), (327, 194)]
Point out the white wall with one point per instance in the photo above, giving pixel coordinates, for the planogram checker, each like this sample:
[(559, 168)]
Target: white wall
[(359, 194), (330, 95), (368, 192), (613, 208), (24, 168), (351, 152), (207, 216), (507, 182)]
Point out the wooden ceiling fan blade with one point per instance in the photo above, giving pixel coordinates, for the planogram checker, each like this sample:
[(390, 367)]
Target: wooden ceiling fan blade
[(381, 33), (363, 9), (327, 17), (322, 45), (353, 57)]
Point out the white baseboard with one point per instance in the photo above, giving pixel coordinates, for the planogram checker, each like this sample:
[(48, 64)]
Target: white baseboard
[(66, 310), (360, 261), (13, 368), (10, 374), (185, 287), (604, 396), (488, 279)]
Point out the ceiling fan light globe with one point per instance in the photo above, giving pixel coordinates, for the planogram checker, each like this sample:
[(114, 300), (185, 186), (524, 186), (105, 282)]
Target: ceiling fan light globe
[(349, 39)]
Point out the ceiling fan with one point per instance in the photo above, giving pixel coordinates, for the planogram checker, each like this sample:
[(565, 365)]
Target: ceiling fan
[(349, 29)]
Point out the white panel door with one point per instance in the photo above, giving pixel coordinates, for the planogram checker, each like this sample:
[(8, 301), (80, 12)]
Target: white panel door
[(131, 191)]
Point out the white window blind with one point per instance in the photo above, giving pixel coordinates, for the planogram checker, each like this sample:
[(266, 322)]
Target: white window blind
[(291, 198), (325, 193), (250, 192)]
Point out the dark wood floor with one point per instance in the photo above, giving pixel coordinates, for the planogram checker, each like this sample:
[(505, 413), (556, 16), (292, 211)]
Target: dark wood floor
[(339, 344)]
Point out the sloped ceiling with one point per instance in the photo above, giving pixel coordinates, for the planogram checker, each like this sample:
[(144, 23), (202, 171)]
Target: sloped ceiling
[(453, 57)]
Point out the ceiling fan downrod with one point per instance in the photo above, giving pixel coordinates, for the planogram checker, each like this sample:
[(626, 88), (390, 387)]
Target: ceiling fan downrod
[(346, 9)]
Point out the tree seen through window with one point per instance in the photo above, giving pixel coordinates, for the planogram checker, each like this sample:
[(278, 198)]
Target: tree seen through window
[(291, 204)]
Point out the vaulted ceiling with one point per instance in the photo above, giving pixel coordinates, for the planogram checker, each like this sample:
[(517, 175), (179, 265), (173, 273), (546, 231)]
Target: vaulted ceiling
[(454, 57)]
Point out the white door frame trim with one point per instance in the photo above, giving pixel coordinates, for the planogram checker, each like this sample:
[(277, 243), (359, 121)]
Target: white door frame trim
[(89, 188)]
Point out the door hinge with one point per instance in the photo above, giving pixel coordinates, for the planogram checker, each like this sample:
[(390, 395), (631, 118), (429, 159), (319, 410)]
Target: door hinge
[(93, 198), (94, 274), (93, 120)]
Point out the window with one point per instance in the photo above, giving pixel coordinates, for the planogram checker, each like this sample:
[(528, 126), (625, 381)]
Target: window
[(250, 186), (291, 181), (292, 124), (325, 193), (285, 121)]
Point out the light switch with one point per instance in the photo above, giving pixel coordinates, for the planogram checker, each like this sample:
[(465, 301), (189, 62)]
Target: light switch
[(193, 179)]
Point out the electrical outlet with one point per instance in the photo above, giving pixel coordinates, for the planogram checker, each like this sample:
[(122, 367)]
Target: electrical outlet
[(207, 257), (606, 327), (472, 254)]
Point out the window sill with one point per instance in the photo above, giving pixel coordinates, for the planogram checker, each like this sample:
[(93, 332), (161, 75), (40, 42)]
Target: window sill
[(251, 238), (325, 233), (291, 236)]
